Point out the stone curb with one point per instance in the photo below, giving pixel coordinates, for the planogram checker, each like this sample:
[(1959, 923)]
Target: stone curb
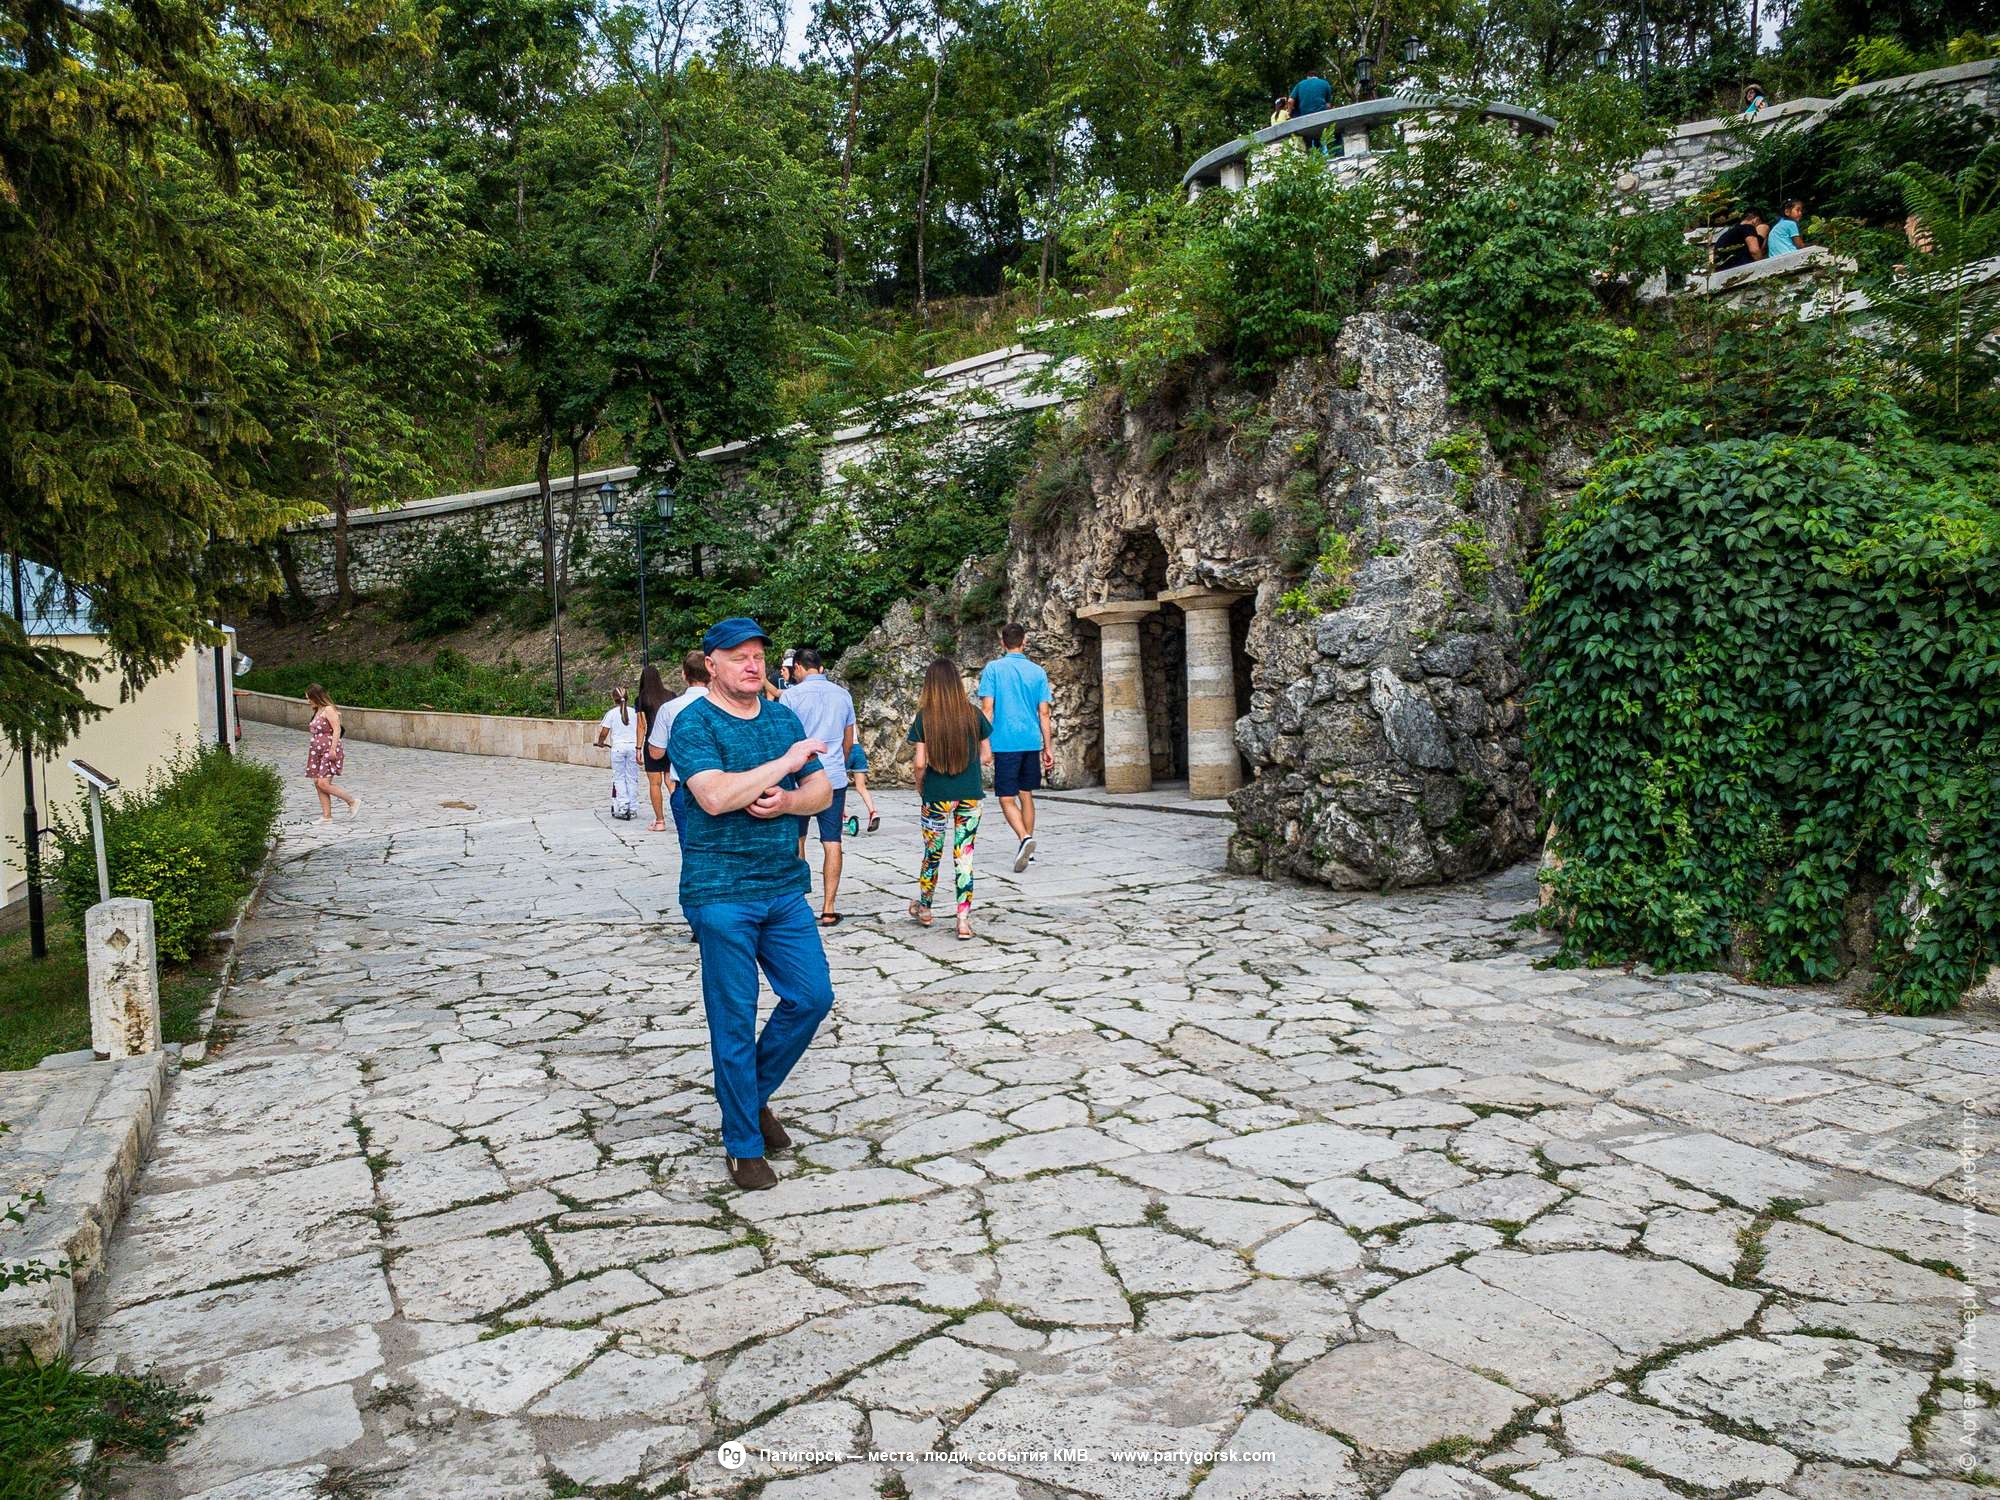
[(82, 1151), (197, 1050)]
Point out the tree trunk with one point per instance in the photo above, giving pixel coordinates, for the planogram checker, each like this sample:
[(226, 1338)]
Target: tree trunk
[(343, 494), (479, 445), (543, 448), (288, 569), (924, 189), (576, 442), (1049, 229), (858, 58)]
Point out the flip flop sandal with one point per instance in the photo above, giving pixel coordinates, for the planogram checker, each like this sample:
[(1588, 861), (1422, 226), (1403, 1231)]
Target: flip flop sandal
[(921, 913), (874, 821), (829, 919), (964, 934)]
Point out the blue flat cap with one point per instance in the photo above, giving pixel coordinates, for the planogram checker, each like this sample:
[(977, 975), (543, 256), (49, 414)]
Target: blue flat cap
[(733, 632)]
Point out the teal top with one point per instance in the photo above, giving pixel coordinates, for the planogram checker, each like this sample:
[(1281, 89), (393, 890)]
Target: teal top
[(738, 857), (966, 785)]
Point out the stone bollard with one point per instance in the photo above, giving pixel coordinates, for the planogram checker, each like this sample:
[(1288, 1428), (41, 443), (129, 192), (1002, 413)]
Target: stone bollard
[(124, 978)]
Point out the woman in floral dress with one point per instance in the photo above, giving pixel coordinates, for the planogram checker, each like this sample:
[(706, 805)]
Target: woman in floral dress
[(326, 757)]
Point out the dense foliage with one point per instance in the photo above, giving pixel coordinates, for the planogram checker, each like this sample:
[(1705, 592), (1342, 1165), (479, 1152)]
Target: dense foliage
[(190, 842), (1768, 705)]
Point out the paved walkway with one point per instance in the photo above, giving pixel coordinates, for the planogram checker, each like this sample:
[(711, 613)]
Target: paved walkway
[(1166, 1160)]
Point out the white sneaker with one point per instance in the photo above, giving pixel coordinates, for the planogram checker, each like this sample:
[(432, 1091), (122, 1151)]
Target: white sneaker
[(1025, 853)]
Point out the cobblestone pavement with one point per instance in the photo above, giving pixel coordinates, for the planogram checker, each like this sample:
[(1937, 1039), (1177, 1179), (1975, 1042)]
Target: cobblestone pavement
[(1166, 1160)]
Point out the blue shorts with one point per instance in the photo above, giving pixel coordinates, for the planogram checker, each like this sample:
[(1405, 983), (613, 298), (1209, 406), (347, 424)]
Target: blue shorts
[(857, 758), (1016, 771), (829, 819)]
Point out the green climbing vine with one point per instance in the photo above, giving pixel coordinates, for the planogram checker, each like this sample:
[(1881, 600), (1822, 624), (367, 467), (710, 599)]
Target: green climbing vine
[(1766, 715)]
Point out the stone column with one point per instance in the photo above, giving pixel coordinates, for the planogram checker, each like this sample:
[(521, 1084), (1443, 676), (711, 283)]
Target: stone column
[(1128, 754), (124, 977), (1214, 770)]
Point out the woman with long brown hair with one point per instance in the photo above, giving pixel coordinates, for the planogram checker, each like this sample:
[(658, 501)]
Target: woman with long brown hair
[(653, 697), (950, 735), (326, 755)]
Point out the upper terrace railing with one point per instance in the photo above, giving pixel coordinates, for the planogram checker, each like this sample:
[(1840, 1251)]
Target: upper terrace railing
[(1358, 128)]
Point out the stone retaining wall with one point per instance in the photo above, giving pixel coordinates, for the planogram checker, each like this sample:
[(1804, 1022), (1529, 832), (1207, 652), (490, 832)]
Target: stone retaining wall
[(567, 741), (384, 545), (1691, 159)]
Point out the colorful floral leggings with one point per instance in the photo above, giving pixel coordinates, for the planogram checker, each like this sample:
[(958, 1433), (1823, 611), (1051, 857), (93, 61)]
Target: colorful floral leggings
[(962, 820)]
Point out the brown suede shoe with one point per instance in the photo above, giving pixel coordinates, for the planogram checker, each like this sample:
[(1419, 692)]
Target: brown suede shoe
[(751, 1173), (775, 1138)]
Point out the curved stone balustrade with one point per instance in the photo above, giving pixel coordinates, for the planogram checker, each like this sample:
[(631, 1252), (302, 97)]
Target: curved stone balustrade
[(1228, 166)]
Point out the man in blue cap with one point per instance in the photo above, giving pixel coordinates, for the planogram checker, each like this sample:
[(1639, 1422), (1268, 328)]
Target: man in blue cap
[(750, 772)]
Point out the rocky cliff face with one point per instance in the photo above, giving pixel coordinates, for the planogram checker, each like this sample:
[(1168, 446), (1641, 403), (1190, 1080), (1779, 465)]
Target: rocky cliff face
[(1377, 551)]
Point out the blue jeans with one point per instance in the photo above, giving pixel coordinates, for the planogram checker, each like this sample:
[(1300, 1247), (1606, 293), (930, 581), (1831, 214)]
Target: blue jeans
[(735, 937)]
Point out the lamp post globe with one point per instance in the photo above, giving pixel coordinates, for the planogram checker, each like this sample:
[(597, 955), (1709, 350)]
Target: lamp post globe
[(1413, 51), (607, 499)]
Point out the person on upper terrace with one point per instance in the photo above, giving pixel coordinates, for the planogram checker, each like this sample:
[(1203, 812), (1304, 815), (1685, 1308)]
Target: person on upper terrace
[(1741, 244), (1785, 235), (1310, 95), (1753, 100)]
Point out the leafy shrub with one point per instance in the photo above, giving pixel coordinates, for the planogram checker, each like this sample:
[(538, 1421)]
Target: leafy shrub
[(188, 842), (1263, 275), (1766, 696), (454, 583)]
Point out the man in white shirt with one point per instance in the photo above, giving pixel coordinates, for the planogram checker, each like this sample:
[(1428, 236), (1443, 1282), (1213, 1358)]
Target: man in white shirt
[(694, 671), (827, 711)]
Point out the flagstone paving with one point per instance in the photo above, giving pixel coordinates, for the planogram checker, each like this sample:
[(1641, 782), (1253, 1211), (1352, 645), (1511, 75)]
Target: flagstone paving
[(1165, 1160)]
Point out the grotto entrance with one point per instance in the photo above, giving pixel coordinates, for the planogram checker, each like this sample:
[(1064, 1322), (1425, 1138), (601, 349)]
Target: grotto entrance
[(1169, 675)]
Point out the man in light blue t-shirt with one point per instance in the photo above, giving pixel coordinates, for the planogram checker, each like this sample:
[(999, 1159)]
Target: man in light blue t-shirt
[(827, 711), (1014, 696)]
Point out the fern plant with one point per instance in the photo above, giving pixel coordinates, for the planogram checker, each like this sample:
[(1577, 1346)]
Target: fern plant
[(1944, 317)]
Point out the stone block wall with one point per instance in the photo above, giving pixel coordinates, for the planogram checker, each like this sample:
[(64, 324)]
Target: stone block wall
[(1691, 159), (384, 545)]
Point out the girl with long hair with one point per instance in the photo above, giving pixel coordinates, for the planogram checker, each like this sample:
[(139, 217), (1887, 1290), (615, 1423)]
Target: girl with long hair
[(652, 698), (619, 728), (950, 736), (326, 753)]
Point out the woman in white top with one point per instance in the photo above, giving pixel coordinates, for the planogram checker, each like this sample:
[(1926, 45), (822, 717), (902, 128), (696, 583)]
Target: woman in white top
[(620, 730)]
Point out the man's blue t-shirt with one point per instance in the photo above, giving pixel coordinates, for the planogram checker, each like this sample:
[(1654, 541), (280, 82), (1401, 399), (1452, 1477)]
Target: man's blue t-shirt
[(1311, 95), (1784, 238), (737, 857), (827, 711), (1018, 689)]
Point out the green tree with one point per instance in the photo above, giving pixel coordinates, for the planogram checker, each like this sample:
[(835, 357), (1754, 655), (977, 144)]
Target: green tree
[(124, 434)]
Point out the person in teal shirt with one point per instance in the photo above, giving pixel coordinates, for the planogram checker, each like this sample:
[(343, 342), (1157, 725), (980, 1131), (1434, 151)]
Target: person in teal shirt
[(1014, 696), (751, 773)]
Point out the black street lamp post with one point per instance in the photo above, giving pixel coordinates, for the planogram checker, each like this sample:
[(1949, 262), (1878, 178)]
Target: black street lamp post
[(663, 509)]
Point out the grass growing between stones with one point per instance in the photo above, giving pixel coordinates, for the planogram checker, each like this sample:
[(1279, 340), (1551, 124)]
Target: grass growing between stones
[(45, 1003), (47, 1410)]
